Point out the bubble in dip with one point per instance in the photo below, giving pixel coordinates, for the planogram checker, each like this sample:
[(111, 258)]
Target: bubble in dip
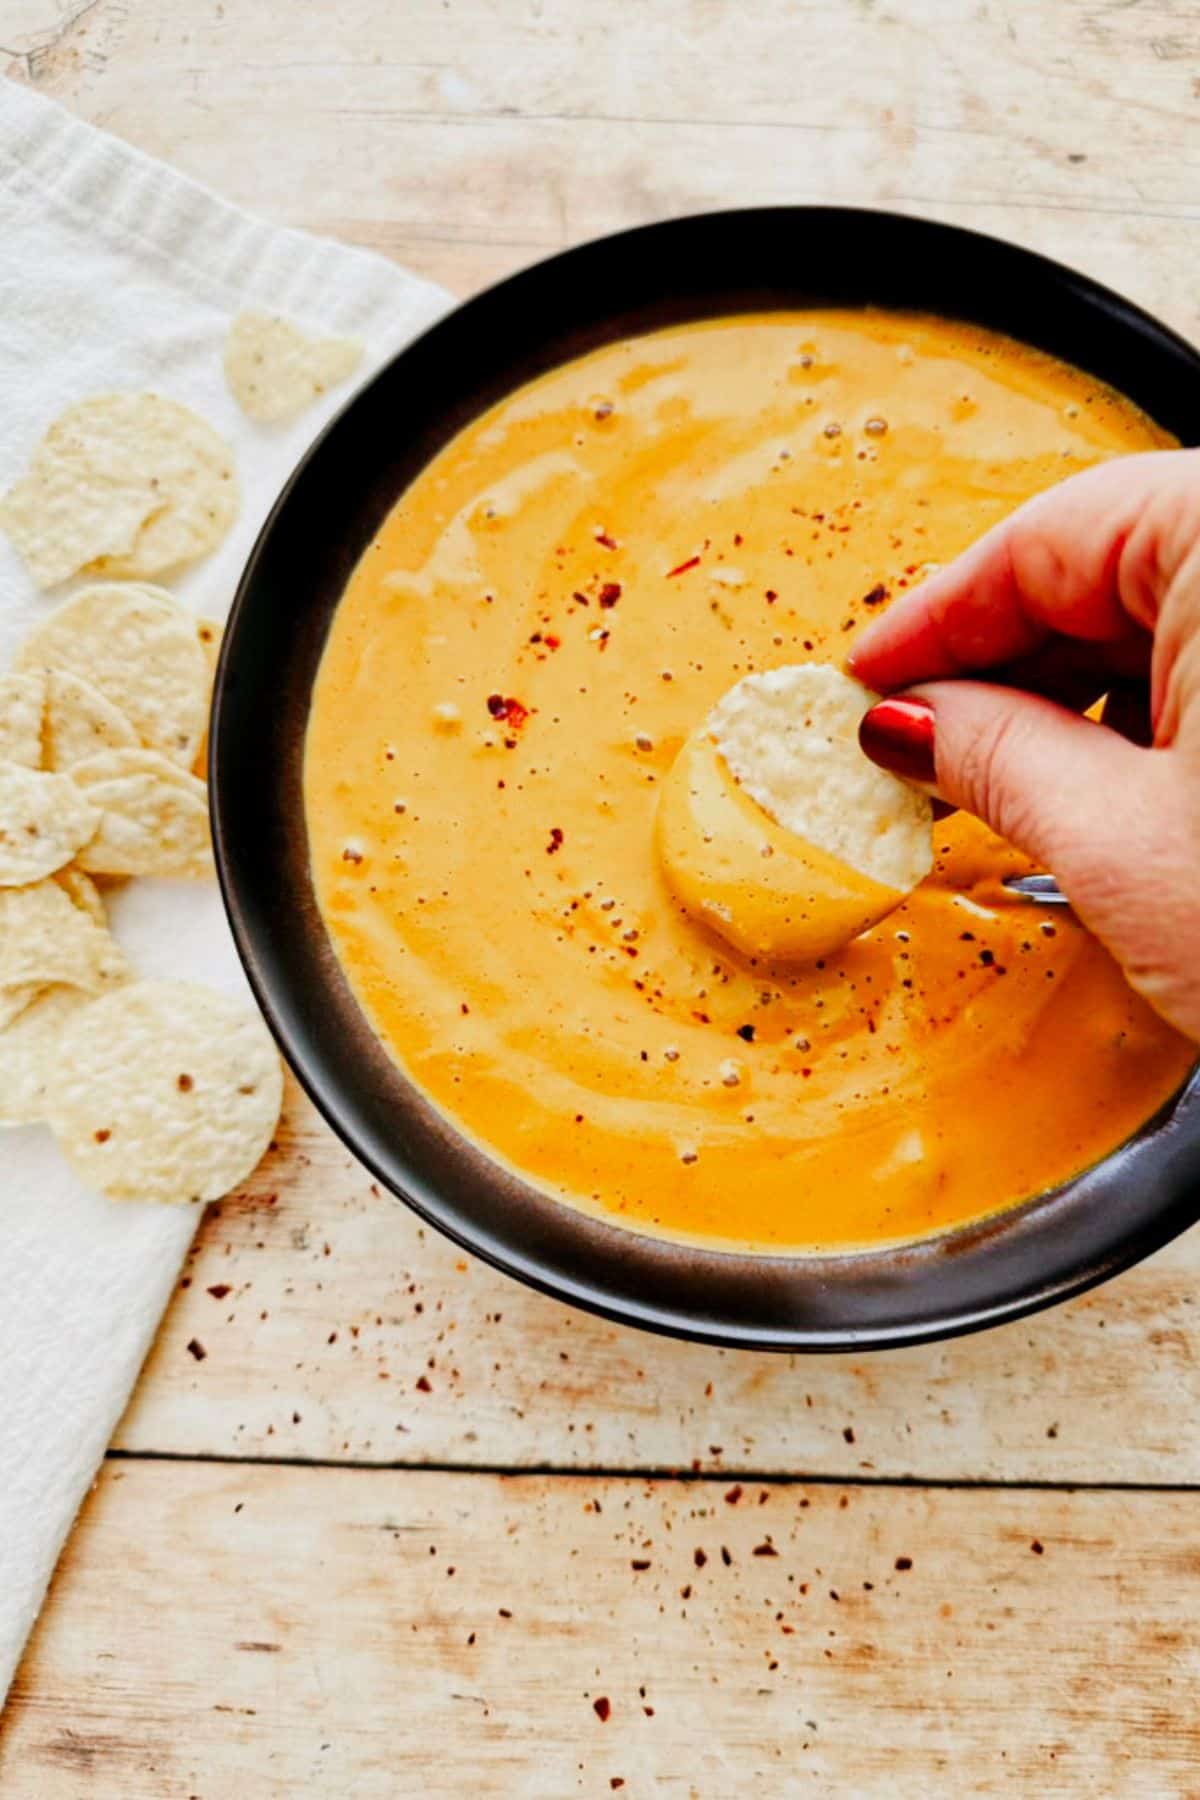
[(773, 828)]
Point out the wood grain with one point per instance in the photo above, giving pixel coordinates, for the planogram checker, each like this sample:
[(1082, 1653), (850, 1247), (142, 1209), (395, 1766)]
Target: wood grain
[(377, 1634), (469, 138), (320, 1303), (225, 1628)]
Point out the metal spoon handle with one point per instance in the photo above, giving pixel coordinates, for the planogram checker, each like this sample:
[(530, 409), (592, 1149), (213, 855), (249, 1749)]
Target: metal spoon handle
[(1042, 888)]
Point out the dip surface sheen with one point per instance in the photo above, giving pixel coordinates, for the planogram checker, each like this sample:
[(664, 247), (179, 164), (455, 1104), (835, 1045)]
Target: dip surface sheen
[(545, 616)]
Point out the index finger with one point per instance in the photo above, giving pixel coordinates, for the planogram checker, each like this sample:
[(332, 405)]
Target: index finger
[(1089, 559)]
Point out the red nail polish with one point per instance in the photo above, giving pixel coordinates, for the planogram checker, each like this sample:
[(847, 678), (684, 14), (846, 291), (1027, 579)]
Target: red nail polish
[(898, 735)]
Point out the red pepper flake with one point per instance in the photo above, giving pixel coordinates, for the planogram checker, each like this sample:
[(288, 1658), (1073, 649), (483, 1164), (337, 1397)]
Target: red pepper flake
[(504, 706), (737, 539), (504, 1612), (746, 1033), (877, 595), (551, 643), (904, 1563), (767, 1549), (682, 568), (602, 537), (772, 596), (102, 1136), (196, 1349), (848, 1433), (582, 599), (219, 1290), (1038, 1548), (609, 594), (556, 838), (616, 1781), (602, 1708), (726, 1558), (639, 1563), (987, 958), (733, 1496), (423, 1385), (699, 1558)]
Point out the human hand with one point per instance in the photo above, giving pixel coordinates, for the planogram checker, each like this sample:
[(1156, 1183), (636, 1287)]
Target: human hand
[(1090, 588)]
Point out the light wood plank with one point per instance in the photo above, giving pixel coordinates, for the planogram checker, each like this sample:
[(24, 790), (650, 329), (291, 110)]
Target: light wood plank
[(347, 1633), (465, 139), (469, 138), (339, 1302)]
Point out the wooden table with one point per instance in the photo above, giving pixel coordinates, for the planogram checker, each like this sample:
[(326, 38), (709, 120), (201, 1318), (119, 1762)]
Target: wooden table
[(379, 1522)]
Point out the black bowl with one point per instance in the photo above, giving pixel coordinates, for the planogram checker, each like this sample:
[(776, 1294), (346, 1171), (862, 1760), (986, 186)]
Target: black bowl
[(634, 282)]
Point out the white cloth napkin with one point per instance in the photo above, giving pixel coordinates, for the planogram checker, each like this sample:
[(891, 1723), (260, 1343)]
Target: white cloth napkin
[(117, 273)]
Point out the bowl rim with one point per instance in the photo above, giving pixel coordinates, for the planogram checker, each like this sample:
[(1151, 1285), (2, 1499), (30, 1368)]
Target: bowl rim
[(700, 1292)]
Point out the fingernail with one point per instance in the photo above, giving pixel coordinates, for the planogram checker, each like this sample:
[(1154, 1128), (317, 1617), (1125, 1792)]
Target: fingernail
[(898, 735)]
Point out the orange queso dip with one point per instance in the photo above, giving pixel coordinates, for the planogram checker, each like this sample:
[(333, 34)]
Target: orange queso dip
[(544, 617)]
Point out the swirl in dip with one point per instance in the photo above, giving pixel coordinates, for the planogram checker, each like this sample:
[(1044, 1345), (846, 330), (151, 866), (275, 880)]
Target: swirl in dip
[(545, 618)]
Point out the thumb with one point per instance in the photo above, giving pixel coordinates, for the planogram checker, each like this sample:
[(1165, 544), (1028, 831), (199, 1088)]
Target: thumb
[(1053, 783), (1108, 818)]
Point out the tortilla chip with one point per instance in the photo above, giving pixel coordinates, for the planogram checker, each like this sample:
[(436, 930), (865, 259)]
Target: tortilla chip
[(154, 816), (46, 940), (29, 1054), (137, 647), (60, 517), (44, 820), (22, 699), (275, 370), (210, 632), (14, 1000), (790, 738), (83, 893), (121, 484), (79, 722), (165, 1091)]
